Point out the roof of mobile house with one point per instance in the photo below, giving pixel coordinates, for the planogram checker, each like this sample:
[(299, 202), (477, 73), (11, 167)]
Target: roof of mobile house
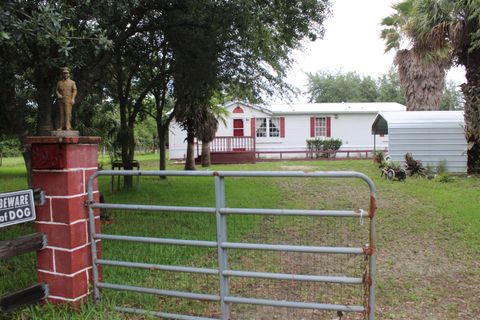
[(342, 107), (434, 137)]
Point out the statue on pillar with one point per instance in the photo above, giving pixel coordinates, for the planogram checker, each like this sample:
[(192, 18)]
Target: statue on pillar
[(66, 92)]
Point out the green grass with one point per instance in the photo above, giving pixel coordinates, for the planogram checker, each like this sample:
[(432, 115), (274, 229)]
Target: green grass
[(419, 222)]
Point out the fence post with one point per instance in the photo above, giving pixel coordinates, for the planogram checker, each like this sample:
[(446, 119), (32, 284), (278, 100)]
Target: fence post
[(222, 237), (62, 166)]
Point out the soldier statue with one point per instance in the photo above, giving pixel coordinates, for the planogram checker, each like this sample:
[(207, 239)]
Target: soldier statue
[(66, 92)]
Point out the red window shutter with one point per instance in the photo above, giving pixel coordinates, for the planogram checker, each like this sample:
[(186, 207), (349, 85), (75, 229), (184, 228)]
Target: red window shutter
[(328, 127), (282, 127), (312, 127), (252, 127)]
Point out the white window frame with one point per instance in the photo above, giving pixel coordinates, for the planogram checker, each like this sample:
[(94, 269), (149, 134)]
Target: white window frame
[(267, 128), (320, 127)]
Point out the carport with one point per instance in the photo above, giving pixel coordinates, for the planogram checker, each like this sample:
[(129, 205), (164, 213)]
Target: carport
[(434, 137)]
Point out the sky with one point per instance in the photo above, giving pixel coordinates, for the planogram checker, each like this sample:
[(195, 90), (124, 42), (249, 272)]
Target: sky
[(351, 43)]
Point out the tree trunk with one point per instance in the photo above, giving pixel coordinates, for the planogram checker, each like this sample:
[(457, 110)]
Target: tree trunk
[(162, 141), (43, 85), (128, 145), (471, 91), (190, 160), (206, 160), (422, 83), (28, 164)]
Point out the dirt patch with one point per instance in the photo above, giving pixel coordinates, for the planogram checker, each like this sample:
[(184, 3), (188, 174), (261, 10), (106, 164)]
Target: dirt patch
[(419, 277)]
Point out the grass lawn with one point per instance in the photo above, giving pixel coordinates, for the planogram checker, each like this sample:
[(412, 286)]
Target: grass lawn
[(428, 240)]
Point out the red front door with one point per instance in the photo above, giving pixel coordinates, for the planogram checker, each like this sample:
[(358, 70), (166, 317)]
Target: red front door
[(238, 127)]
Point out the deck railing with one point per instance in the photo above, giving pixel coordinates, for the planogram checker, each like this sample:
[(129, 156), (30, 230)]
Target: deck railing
[(232, 144), (323, 154)]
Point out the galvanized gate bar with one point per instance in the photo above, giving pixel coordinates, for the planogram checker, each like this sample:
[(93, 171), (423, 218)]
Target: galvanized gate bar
[(295, 304), (292, 212), (297, 277), (282, 247), (167, 293), (221, 237), (161, 267), (161, 314), (223, 245), (180, 242), (153, 208)]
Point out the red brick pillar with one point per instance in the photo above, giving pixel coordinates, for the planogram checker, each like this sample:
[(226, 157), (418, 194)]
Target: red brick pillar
[(61, 167)]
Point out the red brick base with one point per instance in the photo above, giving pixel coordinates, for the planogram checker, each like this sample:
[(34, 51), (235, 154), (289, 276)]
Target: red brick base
[(61, 167)]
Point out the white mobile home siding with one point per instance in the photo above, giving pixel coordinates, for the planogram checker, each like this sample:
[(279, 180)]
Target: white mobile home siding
[(350, 122)]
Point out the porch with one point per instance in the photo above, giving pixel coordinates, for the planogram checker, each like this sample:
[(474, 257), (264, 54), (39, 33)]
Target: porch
[(230, 150)]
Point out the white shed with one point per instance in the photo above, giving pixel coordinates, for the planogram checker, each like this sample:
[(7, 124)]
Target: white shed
[(434, 137)]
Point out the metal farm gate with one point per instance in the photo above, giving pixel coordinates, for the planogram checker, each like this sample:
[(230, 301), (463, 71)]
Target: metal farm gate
[(365, 252)]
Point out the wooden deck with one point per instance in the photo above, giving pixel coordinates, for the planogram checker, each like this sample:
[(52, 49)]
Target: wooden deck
[(231, 150), (236, 150)]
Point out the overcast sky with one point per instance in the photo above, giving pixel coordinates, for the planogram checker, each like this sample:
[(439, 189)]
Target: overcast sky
[(351, 43)]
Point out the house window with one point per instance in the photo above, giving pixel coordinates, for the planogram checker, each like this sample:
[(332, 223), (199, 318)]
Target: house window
[(320, 127), (238, 110), (261, 127), (274, 127), (267, 127)]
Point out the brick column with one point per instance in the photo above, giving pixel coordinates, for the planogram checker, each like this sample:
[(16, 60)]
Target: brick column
[(61, 167)]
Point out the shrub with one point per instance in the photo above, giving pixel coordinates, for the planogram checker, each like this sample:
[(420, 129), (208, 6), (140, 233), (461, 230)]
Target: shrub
[(10, 147), (332, 144), (442, 167), (317, 145)]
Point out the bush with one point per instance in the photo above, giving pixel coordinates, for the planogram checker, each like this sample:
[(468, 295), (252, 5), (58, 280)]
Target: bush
[(10, 147), (317, 145), (332, 144)]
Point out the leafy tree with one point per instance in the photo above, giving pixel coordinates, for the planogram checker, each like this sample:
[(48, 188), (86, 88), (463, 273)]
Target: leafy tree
[(160, 108), (341, 87), (236, 43), (351, 87), (389, 88), (452, 99), (39, 37)]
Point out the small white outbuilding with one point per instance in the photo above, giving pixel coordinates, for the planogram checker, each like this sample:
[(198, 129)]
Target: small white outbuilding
[(434, 137)]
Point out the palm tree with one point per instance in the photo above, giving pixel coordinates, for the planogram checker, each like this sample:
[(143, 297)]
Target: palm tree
[(422, 77), (451, 30), (206, 132)]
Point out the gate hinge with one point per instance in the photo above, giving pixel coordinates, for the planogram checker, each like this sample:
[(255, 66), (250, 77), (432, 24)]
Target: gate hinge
[(39, 196), (89, 203), (369, 250), (368, 281)]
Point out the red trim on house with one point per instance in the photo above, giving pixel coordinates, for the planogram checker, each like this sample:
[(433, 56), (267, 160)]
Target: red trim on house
[(238, 110), (252, 127), (282, 127), (328, 126), (312, 127)]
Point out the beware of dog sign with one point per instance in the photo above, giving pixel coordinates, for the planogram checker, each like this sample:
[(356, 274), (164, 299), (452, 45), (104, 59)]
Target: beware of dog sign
[(16, 207)]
